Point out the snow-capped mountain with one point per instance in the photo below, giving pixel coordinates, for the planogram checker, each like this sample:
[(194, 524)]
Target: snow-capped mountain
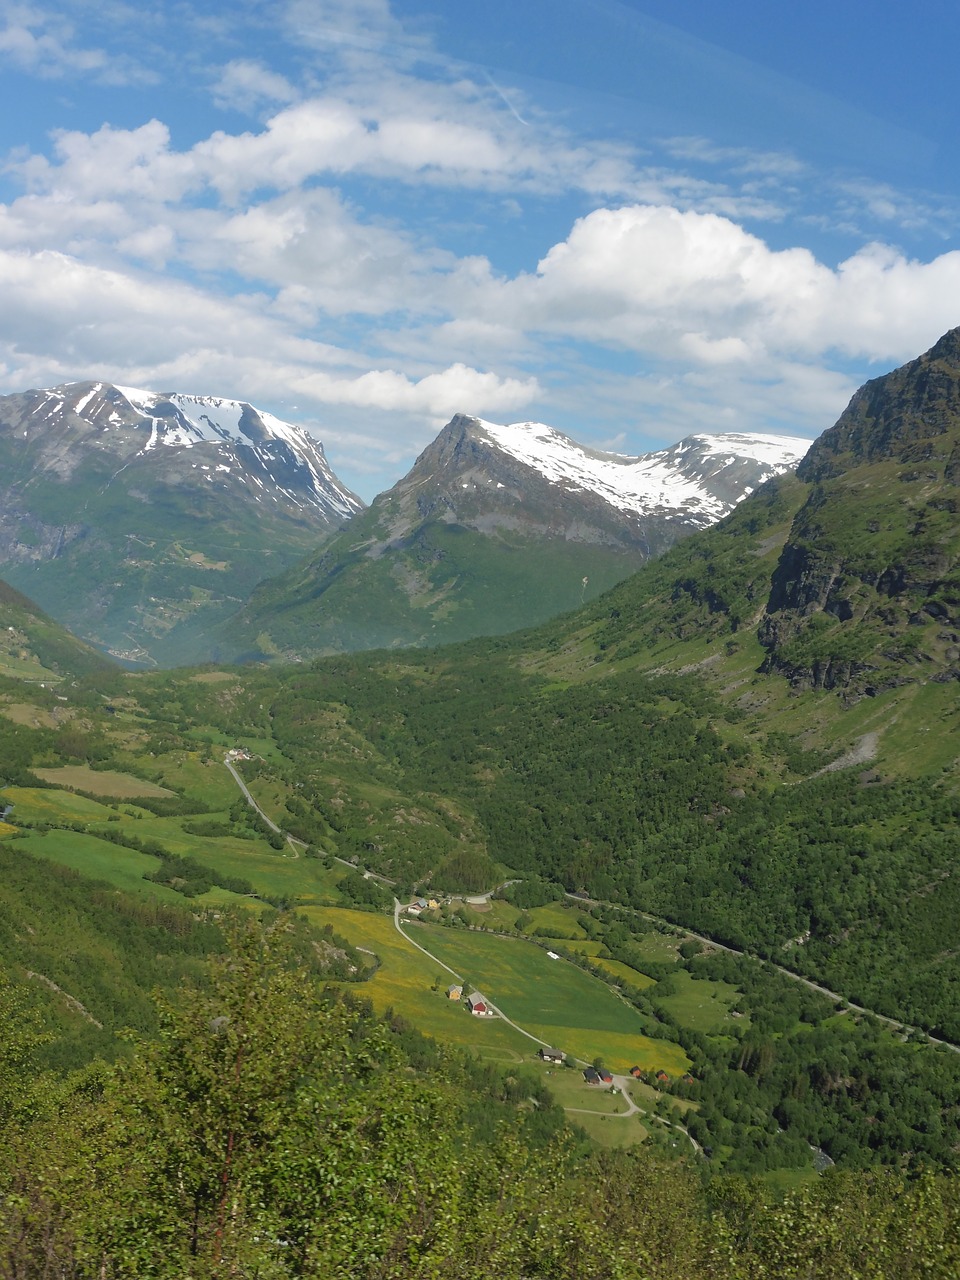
[(234, 442), (497, 527), (136, 517), (702, 478)]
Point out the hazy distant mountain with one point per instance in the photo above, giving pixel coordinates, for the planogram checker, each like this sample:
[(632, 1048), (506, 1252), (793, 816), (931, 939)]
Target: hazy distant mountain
[(498, 527), (137, 518), (34, 647)]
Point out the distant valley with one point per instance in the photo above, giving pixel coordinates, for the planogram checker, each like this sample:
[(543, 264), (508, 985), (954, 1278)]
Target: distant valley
[(713, 795)]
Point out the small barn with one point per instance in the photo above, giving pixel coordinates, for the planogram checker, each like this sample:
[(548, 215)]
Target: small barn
[(591, 1075), (477, 1004)]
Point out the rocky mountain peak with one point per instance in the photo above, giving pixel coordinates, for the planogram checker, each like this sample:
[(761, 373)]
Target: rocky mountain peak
[(900, 415), (134, 515)]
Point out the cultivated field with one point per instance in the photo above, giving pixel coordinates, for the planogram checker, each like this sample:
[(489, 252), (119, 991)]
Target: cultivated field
[(405, 982), (553, 999), (106, 782)]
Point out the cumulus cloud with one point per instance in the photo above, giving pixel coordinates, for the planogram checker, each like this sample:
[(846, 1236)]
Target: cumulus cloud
[(438, 394), (65, 319), (687, 285)]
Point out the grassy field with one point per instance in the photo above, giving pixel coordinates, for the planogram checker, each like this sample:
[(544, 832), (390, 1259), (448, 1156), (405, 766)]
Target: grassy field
[(27, 713), (702, 1004), (273, 873), (559, 919), (646, 1096), (658, 947), (405, 982), (612, 1131), (29, 668), (105, 782), (34, 804), (585, 946), (123, 868), (552, 999), (632, 977)]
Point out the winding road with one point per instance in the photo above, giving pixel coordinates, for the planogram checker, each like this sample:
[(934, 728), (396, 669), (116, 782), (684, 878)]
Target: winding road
[(295, 844)]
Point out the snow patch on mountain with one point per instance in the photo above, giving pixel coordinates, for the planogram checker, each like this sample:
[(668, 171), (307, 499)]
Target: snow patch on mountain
[(246, 440), (684, 477)]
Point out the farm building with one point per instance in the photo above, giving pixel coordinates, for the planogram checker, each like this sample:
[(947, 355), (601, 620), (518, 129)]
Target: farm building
[(454, 991), (591, 1075), (477, 1004), (550, 1055), (605, 1076), (636, 1072)]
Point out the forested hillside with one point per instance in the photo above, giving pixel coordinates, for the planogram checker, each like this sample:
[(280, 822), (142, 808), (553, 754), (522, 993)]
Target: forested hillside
[(712, 749), (273, 1130)]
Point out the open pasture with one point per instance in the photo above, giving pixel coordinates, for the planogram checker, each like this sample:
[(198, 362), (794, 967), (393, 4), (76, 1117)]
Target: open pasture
[(27, 713), (625, 973), (100, 860), (404, 983), (559, 918), (271, 872), (552, 999), (584, 946), (101, 782), (646, 1096), (36, 804), (701, 1004), (611, 1131)]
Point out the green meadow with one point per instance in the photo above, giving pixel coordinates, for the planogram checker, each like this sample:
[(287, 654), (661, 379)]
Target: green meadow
[(101, 782), (625, 973), (272, 873), (702, 1004), (552, 999), (100, 860), (405, 982), (559, 919)]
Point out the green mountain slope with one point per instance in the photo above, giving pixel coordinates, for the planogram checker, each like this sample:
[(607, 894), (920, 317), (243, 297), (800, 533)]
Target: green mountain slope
[(139, 520), (34, 647), (657, 751), (496, 528)]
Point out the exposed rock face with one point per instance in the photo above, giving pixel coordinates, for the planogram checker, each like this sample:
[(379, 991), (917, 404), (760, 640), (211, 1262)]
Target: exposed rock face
[(910, 415), (872, 558)]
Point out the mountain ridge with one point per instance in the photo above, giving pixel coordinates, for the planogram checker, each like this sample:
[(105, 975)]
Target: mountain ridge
[(495, 528), (137, 517)]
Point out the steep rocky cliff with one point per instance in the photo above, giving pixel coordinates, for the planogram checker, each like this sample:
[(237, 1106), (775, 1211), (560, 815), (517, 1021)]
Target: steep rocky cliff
[(867, 589)]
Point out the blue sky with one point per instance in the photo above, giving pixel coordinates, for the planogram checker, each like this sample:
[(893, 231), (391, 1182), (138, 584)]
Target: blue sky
[(628, 220)]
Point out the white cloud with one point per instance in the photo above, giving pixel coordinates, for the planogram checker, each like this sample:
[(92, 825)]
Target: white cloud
[(686, 285), (438, 394), (65, 319), (44, 43), (246, 84)]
